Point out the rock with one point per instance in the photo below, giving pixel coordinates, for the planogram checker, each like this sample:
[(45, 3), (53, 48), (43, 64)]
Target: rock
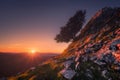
[(117, 63), (88, 51), (89, 73), (85, 59), (93, 48), (108, 58), (78, 54), (71, 57), (68, 63), (97, 46), (104, 73), (92, 67), (114, 46), (68, 73), (77, 66), (110, 79), (99, 62), (93, 58), (77, 58)]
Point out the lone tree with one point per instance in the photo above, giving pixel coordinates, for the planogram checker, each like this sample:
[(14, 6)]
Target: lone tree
[(73, 26)]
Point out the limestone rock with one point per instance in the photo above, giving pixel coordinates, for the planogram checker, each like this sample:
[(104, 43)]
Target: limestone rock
[(68, 73)]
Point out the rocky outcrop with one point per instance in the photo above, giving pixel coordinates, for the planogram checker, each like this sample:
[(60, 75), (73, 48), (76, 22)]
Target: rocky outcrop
[(68, 72), (106, 61)]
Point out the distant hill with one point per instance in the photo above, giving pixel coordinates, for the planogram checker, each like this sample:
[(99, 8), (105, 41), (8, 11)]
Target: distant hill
[(13, 63)]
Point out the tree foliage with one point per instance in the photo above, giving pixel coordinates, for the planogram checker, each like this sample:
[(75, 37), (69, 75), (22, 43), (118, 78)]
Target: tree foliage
[(73, 26)]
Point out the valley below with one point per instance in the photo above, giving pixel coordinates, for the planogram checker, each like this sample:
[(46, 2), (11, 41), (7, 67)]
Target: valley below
[(16, 63)]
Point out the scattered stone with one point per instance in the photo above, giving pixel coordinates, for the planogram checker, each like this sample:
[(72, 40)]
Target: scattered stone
[(114, 46), (92, 67), (104, 73), (88, 51), (110, 79), (77, 58), (89, 73), (68, 73), (97, 46), (84, 58), (77, 66), (93, 58), (71, 57), (99, 62), (117, 63), (108, 58), (67, 63)]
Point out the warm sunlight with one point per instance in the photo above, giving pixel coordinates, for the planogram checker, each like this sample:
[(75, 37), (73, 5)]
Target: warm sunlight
[(33, 51)]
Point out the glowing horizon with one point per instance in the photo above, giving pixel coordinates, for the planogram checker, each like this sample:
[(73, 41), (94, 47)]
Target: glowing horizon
[(49, 47)]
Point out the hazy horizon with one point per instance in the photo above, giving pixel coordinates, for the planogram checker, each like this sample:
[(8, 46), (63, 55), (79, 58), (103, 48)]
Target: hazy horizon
[(1, 52)]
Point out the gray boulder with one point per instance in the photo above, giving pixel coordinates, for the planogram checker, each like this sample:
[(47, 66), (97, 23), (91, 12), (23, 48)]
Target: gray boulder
[(68, 73)]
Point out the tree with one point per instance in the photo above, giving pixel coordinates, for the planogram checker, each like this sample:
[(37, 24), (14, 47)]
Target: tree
[(73, 26)]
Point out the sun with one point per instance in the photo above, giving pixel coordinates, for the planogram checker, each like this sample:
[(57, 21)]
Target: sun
[(33, 51)]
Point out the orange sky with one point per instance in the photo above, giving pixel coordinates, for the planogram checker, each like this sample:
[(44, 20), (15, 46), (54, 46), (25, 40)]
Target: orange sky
[(44, 46), (26, 37)]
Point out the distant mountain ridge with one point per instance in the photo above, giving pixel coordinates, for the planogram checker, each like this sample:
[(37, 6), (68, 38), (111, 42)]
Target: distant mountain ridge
[(94, 55), (13, 63)]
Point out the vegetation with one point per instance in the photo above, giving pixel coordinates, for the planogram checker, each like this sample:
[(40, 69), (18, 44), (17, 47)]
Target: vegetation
[(73, 26)]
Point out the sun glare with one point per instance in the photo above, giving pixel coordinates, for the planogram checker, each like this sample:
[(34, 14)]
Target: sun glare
[(33, 51)]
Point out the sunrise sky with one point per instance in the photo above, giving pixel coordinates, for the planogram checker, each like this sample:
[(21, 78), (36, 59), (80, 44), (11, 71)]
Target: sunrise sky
[(32, 24)]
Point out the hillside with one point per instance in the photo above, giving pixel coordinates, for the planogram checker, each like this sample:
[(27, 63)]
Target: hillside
[(93, 55)]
